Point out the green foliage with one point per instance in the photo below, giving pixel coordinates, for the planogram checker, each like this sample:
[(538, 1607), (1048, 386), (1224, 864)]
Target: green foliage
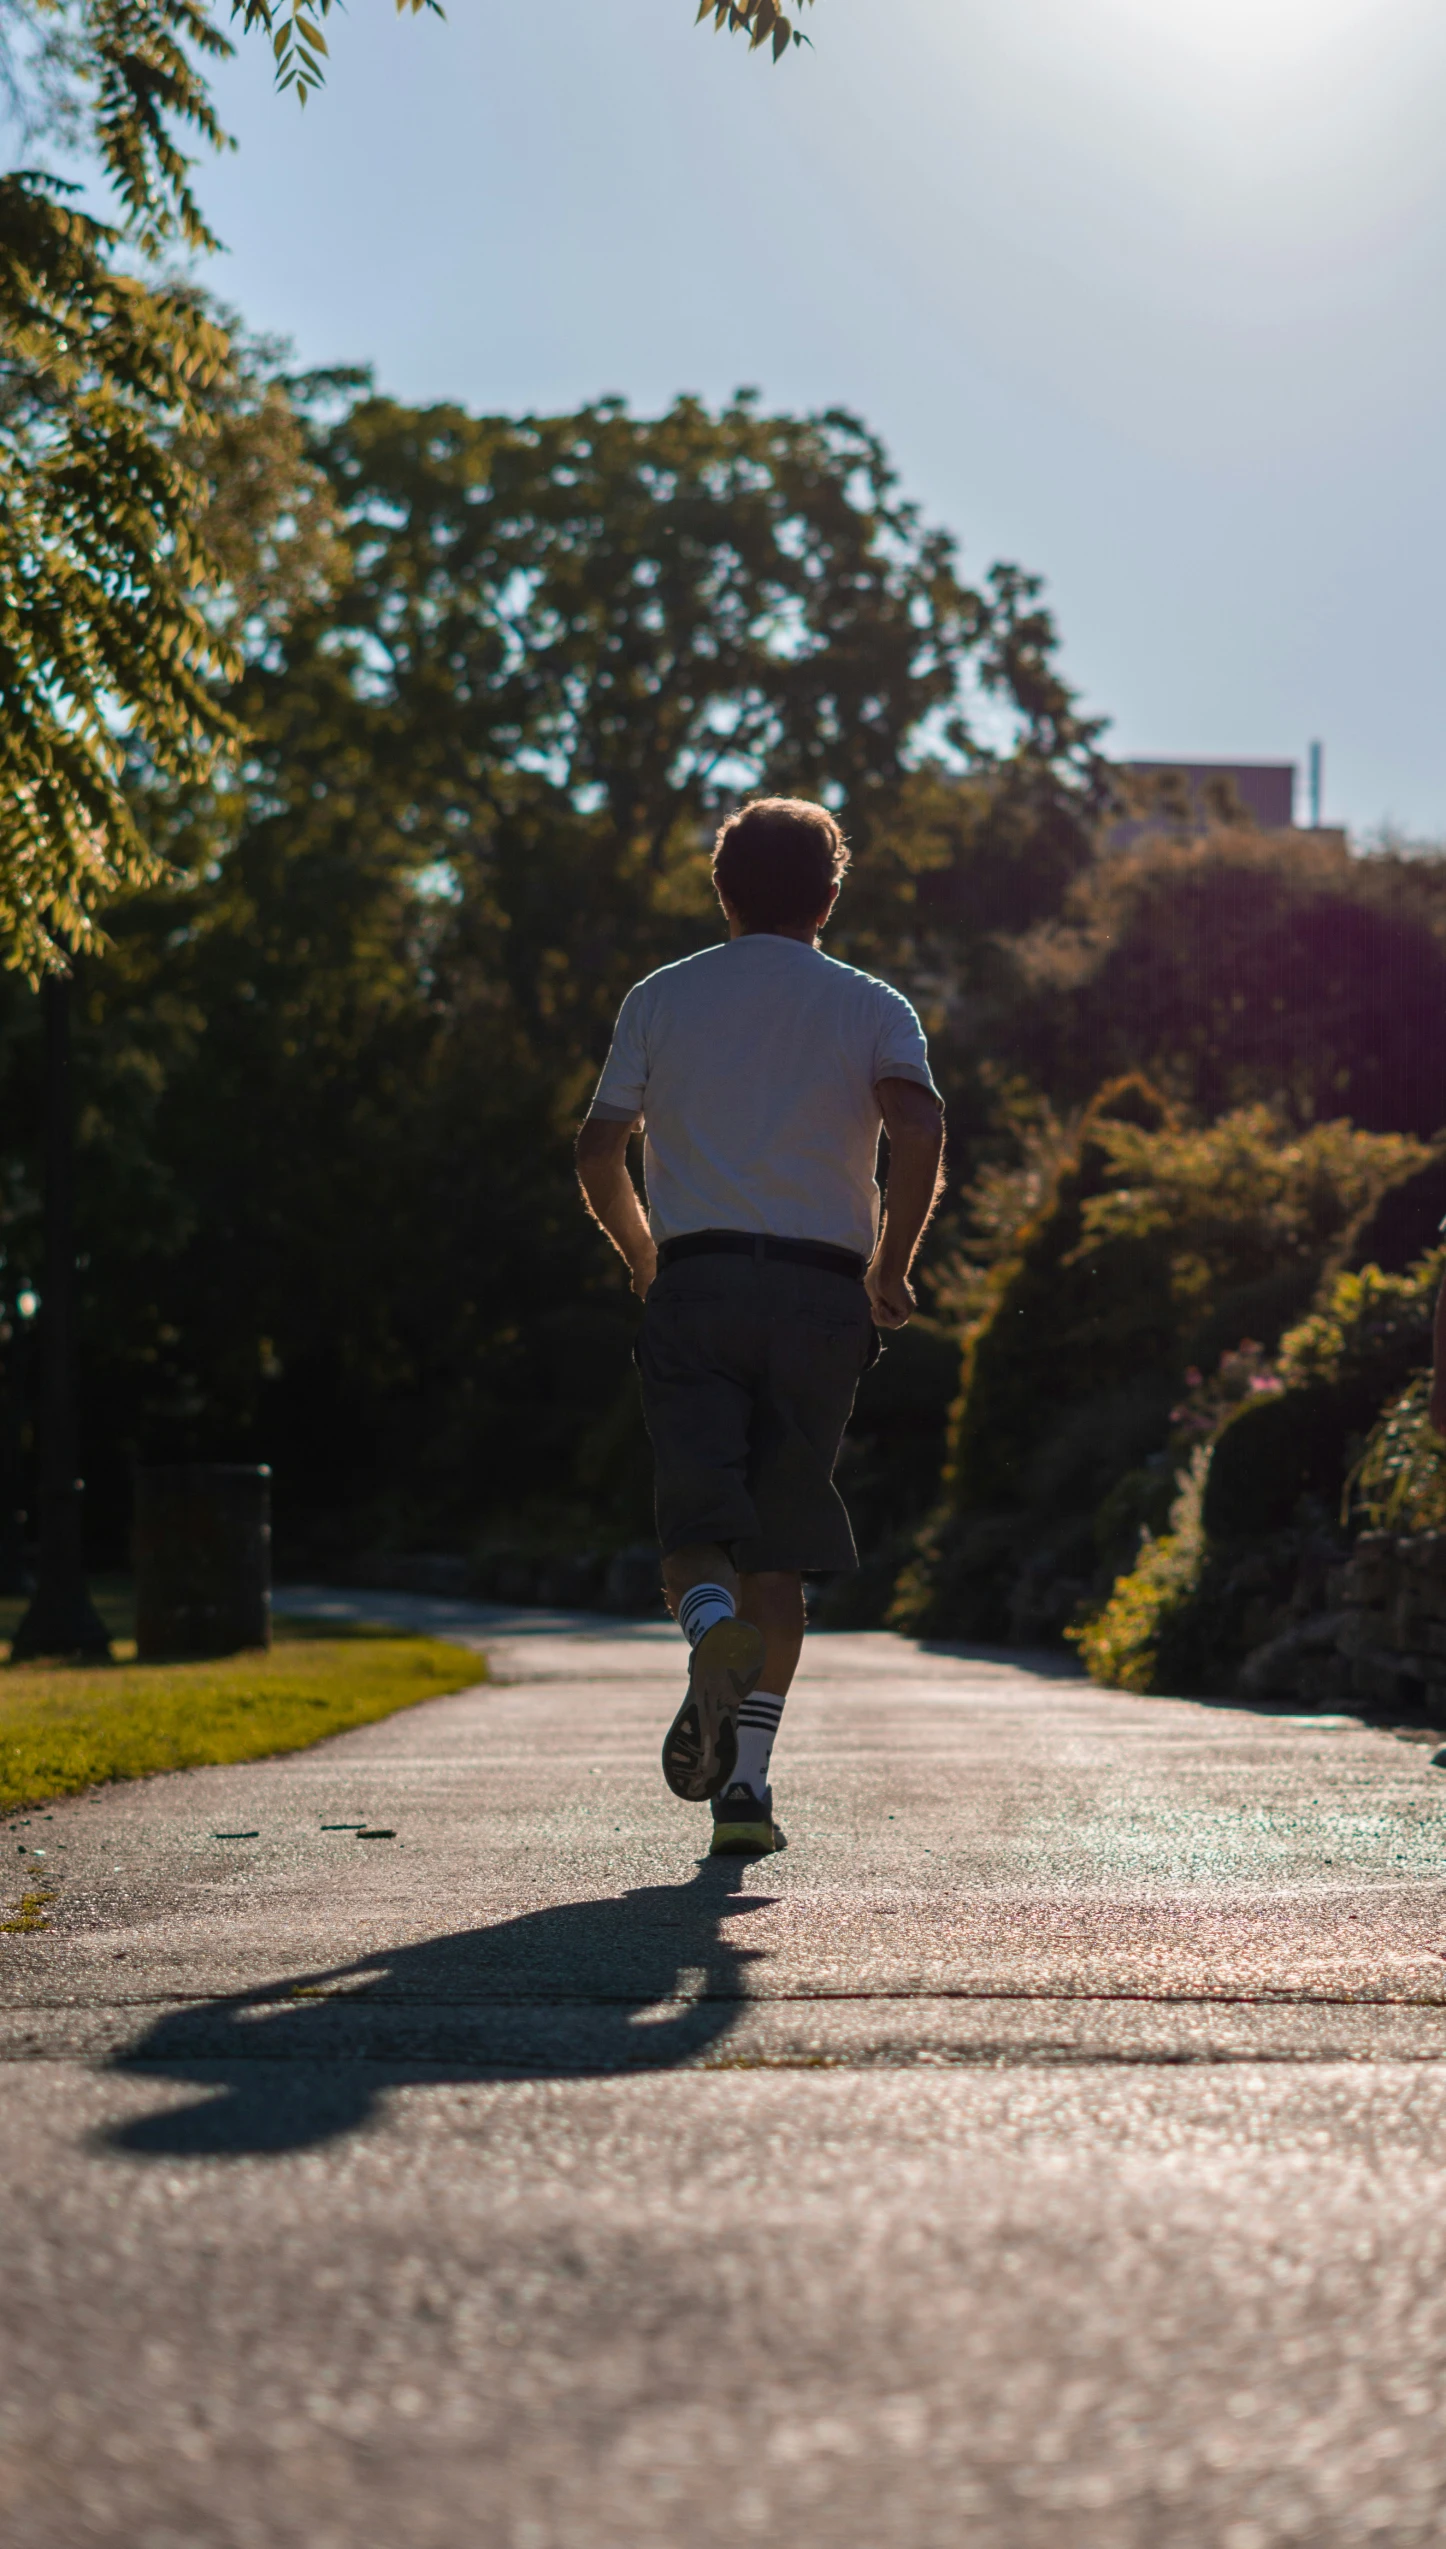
[(126, 79), (66, 1729), (1337, 1368), (1242, 1375), (1399, 1481), (643, 615), (1371, 1328), (268, 521), (1121, 1644), (1152, 1247), (104, 649), (996, 850), (1345, 1423), (1236, 1200), (120, 78)]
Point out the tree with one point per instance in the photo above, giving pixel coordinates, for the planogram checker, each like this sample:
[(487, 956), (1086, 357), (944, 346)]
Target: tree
[(564, 643), (1244, 967), (667, 605)]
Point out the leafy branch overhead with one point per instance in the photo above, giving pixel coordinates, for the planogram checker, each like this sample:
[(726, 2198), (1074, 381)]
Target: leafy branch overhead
[(762, 21), (105, 652), (293, 31), (110, 602)]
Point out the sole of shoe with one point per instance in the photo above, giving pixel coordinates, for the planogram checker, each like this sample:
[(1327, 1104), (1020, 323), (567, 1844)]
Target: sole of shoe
[(701, 1745), (743, 1840)]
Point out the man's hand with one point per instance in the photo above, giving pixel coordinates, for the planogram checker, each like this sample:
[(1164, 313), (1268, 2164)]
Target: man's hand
[(643, 1273), (891, 1297), (914, 1122)]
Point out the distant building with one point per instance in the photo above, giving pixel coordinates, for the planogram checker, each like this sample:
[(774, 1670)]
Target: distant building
[(1266, 791), (1179, 800), (1187, 797)]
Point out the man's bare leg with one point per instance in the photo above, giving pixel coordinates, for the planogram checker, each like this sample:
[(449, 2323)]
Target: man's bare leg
[(774, 1603), (705, 1563), (700, 1583), (771, 1602)]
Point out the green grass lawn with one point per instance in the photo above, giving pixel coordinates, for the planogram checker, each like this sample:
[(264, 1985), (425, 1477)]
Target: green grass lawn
[(66, 1727)]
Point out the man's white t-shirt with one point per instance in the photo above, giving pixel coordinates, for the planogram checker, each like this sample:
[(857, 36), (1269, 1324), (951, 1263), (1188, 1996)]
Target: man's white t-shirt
[(754, 1066)]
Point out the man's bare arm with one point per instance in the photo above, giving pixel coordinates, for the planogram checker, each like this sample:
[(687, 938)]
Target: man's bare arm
[(1438, 1375), (914, 1122), (612, 1198)]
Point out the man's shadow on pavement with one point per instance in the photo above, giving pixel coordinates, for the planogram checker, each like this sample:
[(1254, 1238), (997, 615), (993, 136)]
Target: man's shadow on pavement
[(631, 1982)]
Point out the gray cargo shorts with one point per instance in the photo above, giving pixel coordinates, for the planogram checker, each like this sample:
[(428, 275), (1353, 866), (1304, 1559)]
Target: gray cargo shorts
[(749, 1370)]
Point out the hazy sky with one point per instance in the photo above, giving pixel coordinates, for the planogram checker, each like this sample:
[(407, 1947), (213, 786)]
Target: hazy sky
[(1149, 295)]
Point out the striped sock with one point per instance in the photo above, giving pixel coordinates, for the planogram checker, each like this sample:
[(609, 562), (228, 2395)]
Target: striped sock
[(757, 1725), (700, 1609)]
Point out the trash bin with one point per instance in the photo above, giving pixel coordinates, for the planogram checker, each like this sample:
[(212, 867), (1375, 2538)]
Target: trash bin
[(203, 1559)]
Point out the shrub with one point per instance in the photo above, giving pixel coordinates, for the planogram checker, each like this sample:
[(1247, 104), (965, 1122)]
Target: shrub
[(1370, 1327), (1121, 1645), (1337, 1368), (1400, 1478), (1150, 1247), (1348, 1424)]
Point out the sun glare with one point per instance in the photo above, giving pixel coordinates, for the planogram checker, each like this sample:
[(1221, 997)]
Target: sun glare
[(1252, 35)]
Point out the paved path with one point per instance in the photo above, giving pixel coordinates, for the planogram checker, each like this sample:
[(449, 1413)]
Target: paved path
[(1046, 2151)]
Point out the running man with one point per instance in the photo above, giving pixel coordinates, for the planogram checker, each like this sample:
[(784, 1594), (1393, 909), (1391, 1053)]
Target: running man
[(761, 1073)]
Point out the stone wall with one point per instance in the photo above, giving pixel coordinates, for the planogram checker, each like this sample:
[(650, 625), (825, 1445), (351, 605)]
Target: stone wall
[(1379, 1644)]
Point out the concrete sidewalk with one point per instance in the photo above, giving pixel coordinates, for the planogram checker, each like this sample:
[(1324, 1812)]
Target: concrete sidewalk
[(1048, 2147)]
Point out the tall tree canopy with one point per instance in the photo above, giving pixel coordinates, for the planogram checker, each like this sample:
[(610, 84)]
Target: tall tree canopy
[(563, 642)]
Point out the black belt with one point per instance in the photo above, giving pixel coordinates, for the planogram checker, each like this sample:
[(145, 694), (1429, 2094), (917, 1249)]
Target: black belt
[(749, 1243)]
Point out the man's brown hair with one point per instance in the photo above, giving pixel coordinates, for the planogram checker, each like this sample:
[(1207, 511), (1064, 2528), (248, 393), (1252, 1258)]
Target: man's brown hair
[(778, 861)]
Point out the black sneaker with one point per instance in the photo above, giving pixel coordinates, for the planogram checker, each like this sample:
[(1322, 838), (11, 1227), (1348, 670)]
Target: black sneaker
[(743, 1825), (701, 1745)]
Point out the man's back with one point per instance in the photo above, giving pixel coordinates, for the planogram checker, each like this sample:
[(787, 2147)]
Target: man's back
[(754, 1065)]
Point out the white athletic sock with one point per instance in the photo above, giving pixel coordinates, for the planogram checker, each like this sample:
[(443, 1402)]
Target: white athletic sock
[(757, 1725), (700, 1609)]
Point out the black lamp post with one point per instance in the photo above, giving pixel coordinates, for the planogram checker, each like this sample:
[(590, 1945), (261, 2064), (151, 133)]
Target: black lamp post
[(61, 1619), (16, 1335)]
